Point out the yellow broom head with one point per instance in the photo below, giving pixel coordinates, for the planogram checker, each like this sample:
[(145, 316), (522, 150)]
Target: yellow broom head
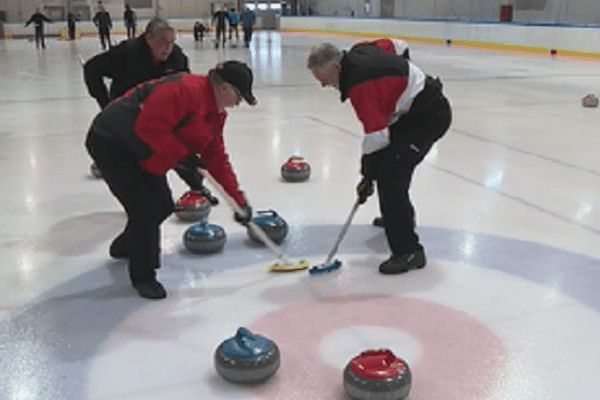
[(291, 267)]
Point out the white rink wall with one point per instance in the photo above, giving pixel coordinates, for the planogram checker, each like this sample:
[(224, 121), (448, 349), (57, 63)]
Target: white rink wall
[(568, 40), (538, 38)]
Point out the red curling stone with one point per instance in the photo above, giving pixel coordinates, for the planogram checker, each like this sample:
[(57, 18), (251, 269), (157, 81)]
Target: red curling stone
[(295, 169), (192, 206), (377, 375)]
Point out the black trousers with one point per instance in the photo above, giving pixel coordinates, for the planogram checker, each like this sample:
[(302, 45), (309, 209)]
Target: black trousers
[(146, 198), (220, 32), (411, 139), (247, 34), (130, 31), (104, 34), (39, 37), (234, 28)]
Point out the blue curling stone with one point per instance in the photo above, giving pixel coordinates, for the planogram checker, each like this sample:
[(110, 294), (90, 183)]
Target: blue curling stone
[(247, 357), (272, 224), (204, 238)]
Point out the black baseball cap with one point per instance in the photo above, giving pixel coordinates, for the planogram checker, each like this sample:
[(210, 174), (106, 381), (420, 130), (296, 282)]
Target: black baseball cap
[(239, 75)]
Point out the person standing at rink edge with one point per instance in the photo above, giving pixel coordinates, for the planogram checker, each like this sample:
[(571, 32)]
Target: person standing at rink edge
[(234, 19), (219, 19), (130, 20), (151, 55), (71, 25), (140, 136), (247, 19), (38, 20), (103, 23), (199, 30), (403, 112)]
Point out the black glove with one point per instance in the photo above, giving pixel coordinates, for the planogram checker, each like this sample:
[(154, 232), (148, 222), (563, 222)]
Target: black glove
[(244, 217), (187, 169), (364, 189)]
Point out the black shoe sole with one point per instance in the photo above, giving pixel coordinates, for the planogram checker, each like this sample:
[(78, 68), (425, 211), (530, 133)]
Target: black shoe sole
[(118, 256), (153, 291), (403, 270), (396, 272), (378, 221)]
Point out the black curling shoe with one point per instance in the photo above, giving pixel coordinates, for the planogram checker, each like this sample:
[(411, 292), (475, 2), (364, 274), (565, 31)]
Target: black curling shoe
[(151, 290), (378, 221), (403, 263)]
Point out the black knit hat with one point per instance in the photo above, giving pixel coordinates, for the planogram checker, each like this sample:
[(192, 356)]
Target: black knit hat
[(239, 75)]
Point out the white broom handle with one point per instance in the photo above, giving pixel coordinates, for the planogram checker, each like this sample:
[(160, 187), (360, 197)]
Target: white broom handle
[(342, 233), (255, 228)]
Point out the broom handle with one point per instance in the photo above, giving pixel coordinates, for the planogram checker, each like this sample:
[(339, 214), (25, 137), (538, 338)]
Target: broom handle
[(255, 228), (342, 233)]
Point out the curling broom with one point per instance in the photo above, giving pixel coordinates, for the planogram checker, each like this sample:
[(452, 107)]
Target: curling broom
[(329, 266), (284, 264)]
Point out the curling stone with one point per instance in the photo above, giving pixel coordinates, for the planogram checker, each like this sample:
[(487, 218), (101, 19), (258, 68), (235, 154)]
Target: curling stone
[(247, 358), (204, 238), (377, 375), (295, 169), (95, 171), (192, 206), (274, 226), (589, 101)]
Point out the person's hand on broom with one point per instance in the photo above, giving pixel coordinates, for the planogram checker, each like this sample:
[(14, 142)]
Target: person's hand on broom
[(243, 215), (364, 190)]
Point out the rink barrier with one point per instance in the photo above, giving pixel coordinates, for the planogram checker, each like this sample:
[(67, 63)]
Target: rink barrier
[(535, 39), (572, 41)]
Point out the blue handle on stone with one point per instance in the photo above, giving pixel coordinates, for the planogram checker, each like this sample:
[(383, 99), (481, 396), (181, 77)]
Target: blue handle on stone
[(245, 344)]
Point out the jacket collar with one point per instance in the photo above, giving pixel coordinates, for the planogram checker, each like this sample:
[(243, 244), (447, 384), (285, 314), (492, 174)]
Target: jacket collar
[(343, 79)]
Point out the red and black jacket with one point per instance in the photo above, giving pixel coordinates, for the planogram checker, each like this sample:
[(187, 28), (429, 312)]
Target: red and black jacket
[(165, 120), (381, 87), (393, 46)]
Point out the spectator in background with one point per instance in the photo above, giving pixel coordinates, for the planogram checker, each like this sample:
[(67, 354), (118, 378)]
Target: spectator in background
[(220, 17), (248, 19), (234, 19), (130, 20), (38, 20), (71, 24), (199, 30), (103, 23)]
